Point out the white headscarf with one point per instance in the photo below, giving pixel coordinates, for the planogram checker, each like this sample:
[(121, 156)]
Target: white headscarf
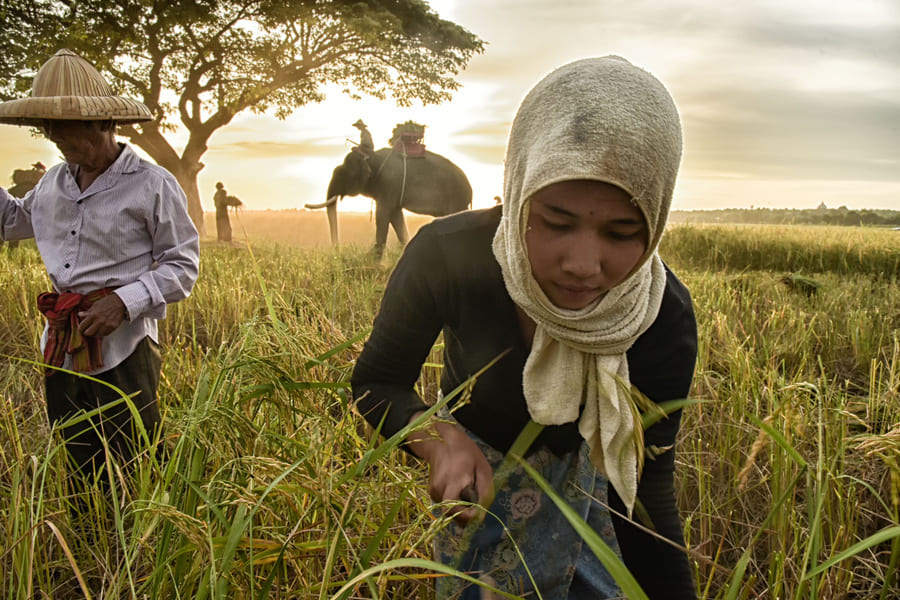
[(600, 119)]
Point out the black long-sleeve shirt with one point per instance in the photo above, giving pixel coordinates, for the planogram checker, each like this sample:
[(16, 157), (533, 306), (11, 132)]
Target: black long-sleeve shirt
[(448, 280)]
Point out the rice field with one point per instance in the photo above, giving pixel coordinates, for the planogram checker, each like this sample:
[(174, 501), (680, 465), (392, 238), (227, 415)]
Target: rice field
[(788, 466)]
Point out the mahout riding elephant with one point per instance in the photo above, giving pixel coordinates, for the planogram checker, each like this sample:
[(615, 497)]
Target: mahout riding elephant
[(428, 184)]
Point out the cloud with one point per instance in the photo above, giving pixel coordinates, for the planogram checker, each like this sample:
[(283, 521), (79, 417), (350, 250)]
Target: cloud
[(483, 141), (491, 154), (794, 134), (253, 149), (769, 90)]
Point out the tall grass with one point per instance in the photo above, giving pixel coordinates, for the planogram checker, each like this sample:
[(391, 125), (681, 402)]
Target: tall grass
[(803, 411), (252, 497), (273, 488)]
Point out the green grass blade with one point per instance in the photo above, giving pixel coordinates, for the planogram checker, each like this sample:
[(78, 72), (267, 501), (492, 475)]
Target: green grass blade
[(734, 586), (650, 418), (879, 537), (780, 440), (321, 358), (395, 440)]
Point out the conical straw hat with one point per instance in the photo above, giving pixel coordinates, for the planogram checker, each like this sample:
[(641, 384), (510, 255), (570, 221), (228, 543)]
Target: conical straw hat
[(67, 87)]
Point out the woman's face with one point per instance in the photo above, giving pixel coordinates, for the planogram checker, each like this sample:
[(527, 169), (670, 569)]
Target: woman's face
[(583, 237)]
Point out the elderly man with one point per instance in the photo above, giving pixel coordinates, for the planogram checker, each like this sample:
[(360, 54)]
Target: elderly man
[(118, 245)]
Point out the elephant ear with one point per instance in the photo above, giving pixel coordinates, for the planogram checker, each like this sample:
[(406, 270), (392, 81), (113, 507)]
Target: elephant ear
[(355, 173)]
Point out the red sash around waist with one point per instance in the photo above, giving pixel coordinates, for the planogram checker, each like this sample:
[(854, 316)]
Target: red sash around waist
[(63, 336)]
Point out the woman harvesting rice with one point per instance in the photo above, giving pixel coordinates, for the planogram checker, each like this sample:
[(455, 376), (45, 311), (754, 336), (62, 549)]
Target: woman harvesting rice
[(563, 282)]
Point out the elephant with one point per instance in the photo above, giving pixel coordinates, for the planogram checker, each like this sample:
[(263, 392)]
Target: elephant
[(428, 184)]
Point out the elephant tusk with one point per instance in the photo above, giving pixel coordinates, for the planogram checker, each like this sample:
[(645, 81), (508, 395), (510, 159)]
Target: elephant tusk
[(325, 204)]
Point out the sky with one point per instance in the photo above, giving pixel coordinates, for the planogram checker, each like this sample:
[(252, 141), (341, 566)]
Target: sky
[(783, 104)]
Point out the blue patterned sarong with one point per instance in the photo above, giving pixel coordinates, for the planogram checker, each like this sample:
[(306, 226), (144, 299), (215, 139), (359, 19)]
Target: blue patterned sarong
[(561, 565)]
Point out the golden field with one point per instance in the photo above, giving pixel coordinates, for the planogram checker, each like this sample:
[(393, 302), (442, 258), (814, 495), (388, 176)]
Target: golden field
[(305, 228), (788, 465)]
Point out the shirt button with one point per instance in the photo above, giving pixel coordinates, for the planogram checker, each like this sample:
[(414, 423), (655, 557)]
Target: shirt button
[(78, 202), (66, 265), (72, 232)]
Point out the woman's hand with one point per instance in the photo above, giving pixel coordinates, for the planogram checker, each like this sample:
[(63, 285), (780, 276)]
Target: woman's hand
[(457, 465)]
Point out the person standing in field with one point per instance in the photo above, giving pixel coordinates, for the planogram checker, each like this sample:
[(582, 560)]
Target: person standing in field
[(117, 242), (223, 200), (562, 286)]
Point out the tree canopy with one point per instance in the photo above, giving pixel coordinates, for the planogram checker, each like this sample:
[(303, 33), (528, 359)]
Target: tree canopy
[(198, 63)]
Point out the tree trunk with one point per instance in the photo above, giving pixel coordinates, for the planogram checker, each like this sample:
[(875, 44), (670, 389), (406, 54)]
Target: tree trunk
[(187, 178)]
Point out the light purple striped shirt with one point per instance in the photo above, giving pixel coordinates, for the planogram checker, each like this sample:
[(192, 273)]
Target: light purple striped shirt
[(129, 230)]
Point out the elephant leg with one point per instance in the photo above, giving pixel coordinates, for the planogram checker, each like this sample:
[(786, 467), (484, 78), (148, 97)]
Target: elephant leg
[(382, 221), (398, 222)]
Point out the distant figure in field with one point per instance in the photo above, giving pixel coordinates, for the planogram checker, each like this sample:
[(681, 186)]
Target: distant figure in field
[(366, 145), (222, 201), (23, 181)]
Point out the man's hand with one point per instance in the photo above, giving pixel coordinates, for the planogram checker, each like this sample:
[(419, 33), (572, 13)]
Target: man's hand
[(457, 465), (103, 317)]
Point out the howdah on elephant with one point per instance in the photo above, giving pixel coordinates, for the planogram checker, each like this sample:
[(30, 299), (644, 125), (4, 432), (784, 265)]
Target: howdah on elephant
[(427, 184)]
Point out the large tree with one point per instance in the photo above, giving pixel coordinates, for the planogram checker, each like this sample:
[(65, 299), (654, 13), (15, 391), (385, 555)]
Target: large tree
[(198, 63)]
